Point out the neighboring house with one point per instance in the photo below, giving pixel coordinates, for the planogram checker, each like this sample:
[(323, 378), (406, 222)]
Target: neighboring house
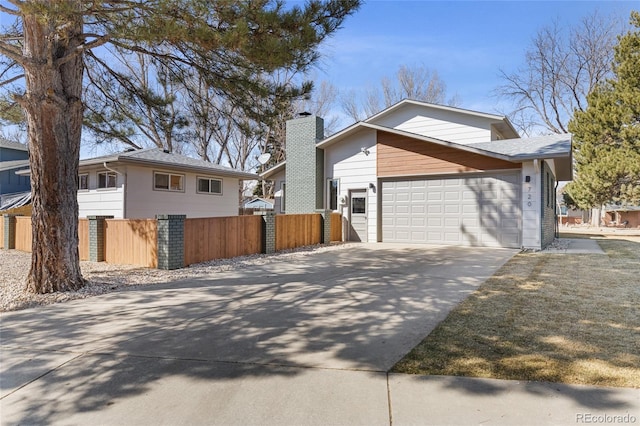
[(424, 173), (622, 216), (144, 183), (259, 204), (13, 157)]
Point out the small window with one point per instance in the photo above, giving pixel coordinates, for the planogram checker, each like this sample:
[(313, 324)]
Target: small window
[(548, 190), (210, 186), (107, 180), (283, 189), (358, 205), (168, 182), (83, 181), (333, 190)]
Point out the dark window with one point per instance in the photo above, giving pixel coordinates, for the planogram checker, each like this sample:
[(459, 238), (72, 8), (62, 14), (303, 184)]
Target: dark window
[(210, 186), (107, 180), (168, 182), (83, 181), (358, 205), (333, 194), (283, 187)]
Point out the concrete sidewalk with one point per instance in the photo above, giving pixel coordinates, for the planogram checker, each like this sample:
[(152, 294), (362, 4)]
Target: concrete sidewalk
[(281, 344)]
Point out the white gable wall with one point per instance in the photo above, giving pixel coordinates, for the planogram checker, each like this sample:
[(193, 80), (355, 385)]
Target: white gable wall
[(143, 201), (451, 126), (99, 202), (355, 170)]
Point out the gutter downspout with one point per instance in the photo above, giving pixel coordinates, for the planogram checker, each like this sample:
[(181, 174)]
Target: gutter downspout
[(124, 193)]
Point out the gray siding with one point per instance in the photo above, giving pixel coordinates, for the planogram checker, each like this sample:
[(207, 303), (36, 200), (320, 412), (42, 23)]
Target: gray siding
[(305, 179), (548, 203)]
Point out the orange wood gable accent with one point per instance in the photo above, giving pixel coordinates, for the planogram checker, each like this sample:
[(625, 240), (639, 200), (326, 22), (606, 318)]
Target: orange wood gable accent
[(403, 156)]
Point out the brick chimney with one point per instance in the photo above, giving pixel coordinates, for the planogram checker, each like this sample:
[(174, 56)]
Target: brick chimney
[(305, 164)]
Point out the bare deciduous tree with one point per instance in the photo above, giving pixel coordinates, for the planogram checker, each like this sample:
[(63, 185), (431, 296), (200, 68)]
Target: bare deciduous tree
[(561, 67)]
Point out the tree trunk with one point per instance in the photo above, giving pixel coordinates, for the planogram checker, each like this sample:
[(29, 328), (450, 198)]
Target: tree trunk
[(53, 108)]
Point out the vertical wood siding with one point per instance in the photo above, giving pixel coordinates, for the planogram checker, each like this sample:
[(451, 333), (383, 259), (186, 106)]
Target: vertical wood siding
[(1, 232), (298, 230), (23, 233), (83, 239), (221, 238), (336, 227), (131, 242)]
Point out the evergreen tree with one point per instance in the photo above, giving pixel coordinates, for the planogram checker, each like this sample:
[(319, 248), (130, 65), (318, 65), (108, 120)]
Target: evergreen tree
[(606, 136), (232, 42)]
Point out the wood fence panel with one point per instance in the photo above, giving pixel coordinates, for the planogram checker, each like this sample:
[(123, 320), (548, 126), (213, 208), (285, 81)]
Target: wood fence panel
[(23, 233), (298, 230), (1, 231), (336, 227), (132, 242), (221, 238), (83, 239)]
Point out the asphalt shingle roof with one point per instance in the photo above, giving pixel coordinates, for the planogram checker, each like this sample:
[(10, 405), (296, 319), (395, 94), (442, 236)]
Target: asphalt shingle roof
[(5, 143), (524, 148)]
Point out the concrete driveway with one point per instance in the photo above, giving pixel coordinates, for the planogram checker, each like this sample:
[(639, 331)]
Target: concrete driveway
[(283, 343)]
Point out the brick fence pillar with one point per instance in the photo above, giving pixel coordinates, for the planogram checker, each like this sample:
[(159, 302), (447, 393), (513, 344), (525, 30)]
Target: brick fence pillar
[(326, 225), (170, 241), (97, 237), (9, 231), (269, 232)]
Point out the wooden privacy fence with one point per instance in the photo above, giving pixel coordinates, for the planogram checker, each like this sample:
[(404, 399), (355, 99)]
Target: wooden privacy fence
[(138, 242), (131, 241), (221, 238), (298, 230)]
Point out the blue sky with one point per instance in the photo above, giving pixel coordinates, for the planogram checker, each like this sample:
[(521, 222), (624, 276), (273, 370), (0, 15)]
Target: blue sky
[(466, 42)]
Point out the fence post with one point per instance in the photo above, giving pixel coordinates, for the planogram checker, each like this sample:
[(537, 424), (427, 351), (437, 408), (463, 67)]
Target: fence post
[(97, 237), (9, 231), (326, 225), (170, 241), (269, 232)]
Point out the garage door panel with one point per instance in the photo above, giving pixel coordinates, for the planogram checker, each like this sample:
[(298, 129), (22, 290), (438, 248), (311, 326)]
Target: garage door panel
[(476, 210)]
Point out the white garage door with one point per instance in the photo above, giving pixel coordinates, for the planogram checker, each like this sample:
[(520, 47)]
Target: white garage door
[(473, 211)]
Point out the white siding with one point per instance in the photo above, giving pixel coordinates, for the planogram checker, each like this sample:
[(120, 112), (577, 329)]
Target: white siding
[(101, 202), (145, 202), (530, 207), (278, 179), (346, 161), (451, 126)]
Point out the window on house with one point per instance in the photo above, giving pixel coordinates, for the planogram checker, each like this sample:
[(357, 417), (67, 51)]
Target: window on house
[(210, 186), (283, 187), (168, 182), (333, 190), (548, 190), (83, 181), (107, 180)]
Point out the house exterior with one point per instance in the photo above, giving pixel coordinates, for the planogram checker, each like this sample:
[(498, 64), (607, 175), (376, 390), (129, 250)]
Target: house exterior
[(13, 157), (145, 183), (425, 173), (258, 204)]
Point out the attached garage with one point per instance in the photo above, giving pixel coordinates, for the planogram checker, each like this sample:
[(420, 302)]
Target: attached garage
[(474, 210)]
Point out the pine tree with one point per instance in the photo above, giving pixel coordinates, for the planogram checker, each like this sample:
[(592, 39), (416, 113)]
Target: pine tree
[(233, 41), (606, 136)]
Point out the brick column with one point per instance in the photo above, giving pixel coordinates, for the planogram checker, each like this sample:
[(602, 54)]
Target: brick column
[(170, 241), (97, 237), (326, 225), (9, 231), (269, 232)]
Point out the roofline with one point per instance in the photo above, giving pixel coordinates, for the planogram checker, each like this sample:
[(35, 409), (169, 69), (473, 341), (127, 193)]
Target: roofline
[(207, 170), (436, 106), (273, 170)]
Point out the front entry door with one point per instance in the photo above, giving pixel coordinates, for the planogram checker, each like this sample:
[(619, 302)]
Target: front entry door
[(358, 215)]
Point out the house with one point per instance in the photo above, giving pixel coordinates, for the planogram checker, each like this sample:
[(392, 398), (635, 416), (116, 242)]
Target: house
[(621, 216), (13, 157), (424, 173), (139, 184), (259, 204)]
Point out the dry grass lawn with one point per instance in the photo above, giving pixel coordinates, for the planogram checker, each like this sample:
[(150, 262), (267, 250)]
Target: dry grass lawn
[(545, 317)]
